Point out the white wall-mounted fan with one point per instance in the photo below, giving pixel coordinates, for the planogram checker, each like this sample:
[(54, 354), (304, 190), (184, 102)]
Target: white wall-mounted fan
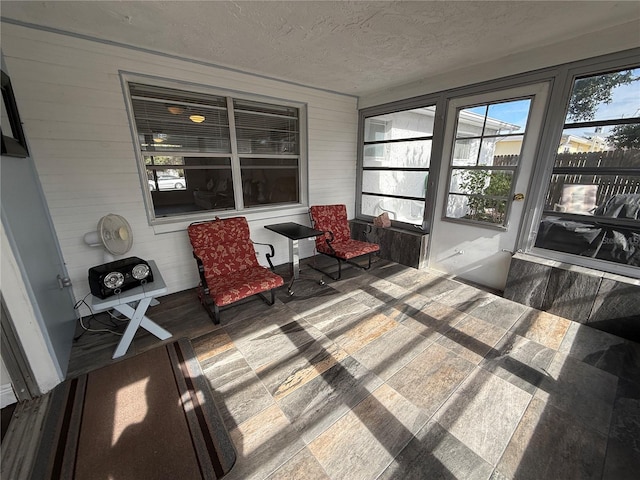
[(114, 234)]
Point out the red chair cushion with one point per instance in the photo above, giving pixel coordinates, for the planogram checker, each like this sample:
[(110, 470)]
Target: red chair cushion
[(330, 218), (231, 268), (223, 245), (241, 284), (349, 249), (333, 218)]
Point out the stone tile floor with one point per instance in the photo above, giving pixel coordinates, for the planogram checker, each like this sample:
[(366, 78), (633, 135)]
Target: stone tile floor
[(398, 373)]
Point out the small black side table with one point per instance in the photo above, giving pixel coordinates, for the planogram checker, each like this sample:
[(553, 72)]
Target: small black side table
[(294, 232)]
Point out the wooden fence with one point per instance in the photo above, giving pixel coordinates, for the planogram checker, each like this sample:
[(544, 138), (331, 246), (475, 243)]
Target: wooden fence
[(609, 159), (622, 174), (587, 166)]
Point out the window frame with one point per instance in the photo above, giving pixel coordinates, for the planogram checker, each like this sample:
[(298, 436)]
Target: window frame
[(176, 222), (435, 101), (564, 78), (514, 169)]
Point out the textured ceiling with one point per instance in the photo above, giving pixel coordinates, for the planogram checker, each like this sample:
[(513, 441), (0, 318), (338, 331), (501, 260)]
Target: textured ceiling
[(348, 47)]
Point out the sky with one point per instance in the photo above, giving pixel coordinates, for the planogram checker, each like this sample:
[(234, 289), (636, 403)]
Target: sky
[(625, 101), (515, 112)]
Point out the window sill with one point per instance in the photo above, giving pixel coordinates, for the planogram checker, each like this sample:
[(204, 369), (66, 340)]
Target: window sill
[(476, 223), (408, 230), (169, 225)]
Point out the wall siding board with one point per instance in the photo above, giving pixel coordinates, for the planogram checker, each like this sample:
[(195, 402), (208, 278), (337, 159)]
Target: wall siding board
[(53, 165), (60, 130), (70, 95), (107, 115), (55, 147), (331, 115), (71, 101), (81, 77)]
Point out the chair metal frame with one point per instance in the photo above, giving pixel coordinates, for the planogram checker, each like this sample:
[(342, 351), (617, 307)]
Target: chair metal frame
[(334, 255)]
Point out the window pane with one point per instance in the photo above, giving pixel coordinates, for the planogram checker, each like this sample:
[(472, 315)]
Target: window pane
[(400, 125), (598, 142), (375, 129), (214, 163), (508, 147), (494, 119), (471, 122), (476, 207), (495, 183), (508, 117), (399, 154), (597, 173), (407, 184), (252, 106), (163, 160), (465, 152), (605, 97), (268, 181), (171, 120), (169, 179), (480, 195), (408, 211), (487, 151), (265, 128), (174, 96), (212, 187), (209, 188)]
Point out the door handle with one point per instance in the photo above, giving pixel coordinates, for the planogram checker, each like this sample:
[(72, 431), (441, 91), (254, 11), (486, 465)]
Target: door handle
[(63, 282)]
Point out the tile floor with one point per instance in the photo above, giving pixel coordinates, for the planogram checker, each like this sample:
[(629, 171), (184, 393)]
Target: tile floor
[(405, 374)]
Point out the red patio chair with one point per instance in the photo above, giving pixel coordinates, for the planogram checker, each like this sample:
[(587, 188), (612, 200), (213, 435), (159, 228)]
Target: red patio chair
[(336, 241), (228, 266)]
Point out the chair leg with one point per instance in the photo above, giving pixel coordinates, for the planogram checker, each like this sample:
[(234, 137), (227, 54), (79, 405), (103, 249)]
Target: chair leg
[(211, 308), (214, 312), (269, 301), (333, 277), (360, 266), (207, 302), (350, 262)]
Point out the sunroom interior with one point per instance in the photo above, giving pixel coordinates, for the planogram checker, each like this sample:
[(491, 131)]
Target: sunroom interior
[(502, 140)]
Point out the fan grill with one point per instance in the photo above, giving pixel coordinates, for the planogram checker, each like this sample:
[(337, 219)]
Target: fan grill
[(115, 233)]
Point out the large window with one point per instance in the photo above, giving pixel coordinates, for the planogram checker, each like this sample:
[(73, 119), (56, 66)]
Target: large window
[(395, 164), (592, 205), (213, 152)]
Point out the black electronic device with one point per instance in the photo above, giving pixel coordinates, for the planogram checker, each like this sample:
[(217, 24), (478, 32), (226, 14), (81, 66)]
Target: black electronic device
[(115, 277)]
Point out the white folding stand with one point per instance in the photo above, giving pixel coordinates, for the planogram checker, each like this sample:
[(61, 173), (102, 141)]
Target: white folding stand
[(125, 304)]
